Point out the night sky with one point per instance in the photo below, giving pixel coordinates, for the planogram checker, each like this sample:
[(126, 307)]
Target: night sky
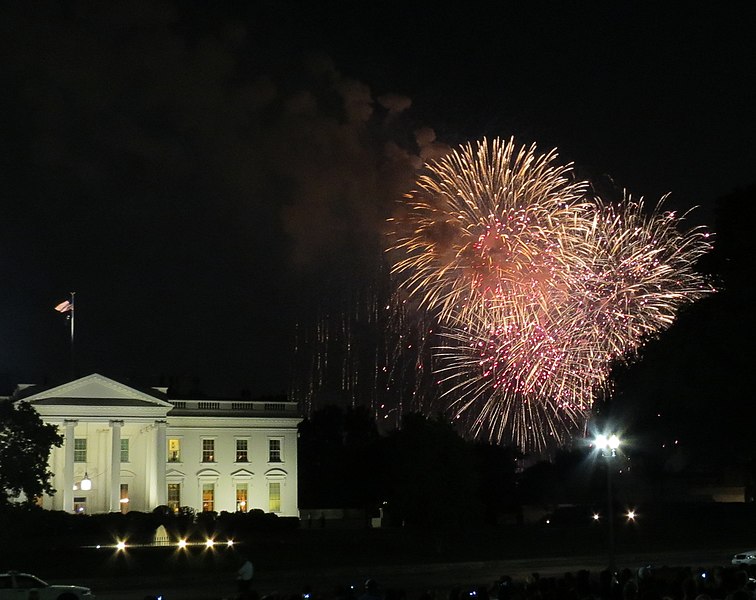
[(208, 177)]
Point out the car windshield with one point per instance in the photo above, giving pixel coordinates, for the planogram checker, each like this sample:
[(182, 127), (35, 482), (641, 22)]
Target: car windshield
[(29, 581)]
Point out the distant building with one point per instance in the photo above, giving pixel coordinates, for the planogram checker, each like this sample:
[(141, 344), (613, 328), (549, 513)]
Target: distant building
[(134, 449)]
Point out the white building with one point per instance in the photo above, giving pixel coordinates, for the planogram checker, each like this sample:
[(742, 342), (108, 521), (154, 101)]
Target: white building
[(134, 449)]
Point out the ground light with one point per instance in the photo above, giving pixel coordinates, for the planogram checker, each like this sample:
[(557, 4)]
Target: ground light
[(181, 544)]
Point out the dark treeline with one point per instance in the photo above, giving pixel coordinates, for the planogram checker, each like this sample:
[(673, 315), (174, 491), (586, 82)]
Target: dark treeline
[(421, 474)]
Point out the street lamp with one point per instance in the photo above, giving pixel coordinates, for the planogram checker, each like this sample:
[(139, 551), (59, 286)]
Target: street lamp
[(608, 445)]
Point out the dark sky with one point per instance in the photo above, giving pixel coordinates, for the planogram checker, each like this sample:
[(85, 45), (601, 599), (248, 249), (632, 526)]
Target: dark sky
[(207, 176)]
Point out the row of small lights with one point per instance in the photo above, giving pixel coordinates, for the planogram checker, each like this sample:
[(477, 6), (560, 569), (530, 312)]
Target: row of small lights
[(121, 545), (630, 515)]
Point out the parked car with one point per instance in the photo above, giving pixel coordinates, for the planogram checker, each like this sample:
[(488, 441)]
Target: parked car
[(22, 586), (745, 558)]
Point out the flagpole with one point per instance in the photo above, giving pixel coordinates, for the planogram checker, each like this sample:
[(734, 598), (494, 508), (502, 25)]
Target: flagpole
[(72, 314)]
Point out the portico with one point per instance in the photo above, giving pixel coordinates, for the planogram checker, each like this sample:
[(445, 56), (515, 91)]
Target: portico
[(224, 455)]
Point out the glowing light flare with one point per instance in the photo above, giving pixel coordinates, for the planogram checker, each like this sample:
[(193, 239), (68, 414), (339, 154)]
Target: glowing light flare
[(608, 442)]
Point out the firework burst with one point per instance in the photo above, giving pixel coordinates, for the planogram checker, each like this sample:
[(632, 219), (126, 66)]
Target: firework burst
[(489, 226), (540, 289)]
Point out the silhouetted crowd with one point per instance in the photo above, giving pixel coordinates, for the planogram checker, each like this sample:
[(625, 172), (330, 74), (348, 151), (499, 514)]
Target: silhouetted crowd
[(646, 583)]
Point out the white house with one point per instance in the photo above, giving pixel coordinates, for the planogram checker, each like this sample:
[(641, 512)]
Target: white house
[(134, 449)]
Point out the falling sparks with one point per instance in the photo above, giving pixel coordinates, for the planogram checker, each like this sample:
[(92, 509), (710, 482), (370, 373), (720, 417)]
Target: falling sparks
[(539, 288)]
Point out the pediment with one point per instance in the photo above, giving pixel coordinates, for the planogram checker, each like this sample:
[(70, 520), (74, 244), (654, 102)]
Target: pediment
[(242, 474), (174, 475), (275, 473), (94, 390), (208, 474)]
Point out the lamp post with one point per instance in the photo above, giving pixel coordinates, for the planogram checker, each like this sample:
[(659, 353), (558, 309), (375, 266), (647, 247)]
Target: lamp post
[(608, 445)]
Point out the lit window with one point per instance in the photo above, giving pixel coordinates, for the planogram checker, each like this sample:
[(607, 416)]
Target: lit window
[(174, 496), (174, 450), (241, 451), (80, 505), (274, 450), (80, 450), (124, 498), (241, 497), (124, 450), (274, 497), (208, 450), (208, 497)]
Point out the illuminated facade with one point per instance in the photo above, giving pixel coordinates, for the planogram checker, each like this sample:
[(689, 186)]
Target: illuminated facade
[(134, 449)]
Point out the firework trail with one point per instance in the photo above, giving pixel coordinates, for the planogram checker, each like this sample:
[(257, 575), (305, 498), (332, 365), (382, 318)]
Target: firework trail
[(372, 349), (539, 288)]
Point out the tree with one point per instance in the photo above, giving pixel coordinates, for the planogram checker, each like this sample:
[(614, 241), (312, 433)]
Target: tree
[(338, 457), (25, 444), (432, 477)]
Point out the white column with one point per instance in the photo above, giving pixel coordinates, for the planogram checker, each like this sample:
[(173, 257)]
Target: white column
[(115, 466), (160, 460), (68, 466)]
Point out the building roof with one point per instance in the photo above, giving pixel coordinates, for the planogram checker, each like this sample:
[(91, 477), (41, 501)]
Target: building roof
[(97, 395)]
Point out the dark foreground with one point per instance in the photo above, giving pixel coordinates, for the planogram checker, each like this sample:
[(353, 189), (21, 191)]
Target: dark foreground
[(568, 578), (570, 559)]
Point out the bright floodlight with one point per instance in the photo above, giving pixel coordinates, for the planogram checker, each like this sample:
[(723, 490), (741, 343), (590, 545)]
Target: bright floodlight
[(121, 545), (604, 442), (209, 543), (182, 543)]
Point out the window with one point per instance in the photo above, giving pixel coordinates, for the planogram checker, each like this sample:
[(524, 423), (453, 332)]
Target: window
[(242, 447), (80, 504), (241, 497), (80, 450), (274, 450), (274, 496), (174, 496), (124, 450), (208, 497), (208, 450), (28, 582), (124, 498), (174, 450)]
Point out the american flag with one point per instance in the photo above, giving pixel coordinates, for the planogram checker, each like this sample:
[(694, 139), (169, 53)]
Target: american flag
[(64, 307)]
